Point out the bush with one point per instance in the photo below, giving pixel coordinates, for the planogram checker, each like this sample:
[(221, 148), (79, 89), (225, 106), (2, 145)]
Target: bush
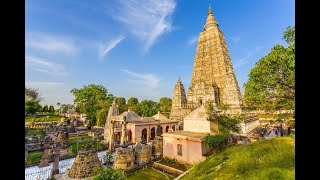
[(101, 173), (214, 141)]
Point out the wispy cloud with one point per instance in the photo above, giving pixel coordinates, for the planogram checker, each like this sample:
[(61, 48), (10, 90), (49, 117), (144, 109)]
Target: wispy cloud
[(235, 39), (150, 81), (104, 50), (51, 43), (45, 66), (245, 60), (146, 19), (193, 40), (43, 84)]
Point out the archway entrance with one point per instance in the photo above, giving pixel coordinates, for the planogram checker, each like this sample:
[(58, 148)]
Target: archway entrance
[(167, 128), (144, 134), (153, 133), (174, 128), (161, 129), (129, 136)]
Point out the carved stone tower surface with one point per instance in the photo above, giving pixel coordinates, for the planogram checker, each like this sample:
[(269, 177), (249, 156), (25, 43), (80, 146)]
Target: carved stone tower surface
[(179, 95), (213, 79), (113, 111), (179, 102)]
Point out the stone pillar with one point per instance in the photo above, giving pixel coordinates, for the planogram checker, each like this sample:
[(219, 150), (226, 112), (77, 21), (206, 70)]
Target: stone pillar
[(148, 134), (123, 133), (56, 155), (111, 140), (46, 146), (26, 154)]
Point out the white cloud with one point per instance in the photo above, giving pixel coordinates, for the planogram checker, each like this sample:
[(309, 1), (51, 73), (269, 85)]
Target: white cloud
[(45, 66), (51, 44), (43, 85), (235, 39), (150, 82), (104, 50), (193, 40), (146, 19), (245, 60)]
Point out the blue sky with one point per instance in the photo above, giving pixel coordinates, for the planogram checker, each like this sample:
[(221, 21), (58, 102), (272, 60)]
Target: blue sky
[(139, 48)]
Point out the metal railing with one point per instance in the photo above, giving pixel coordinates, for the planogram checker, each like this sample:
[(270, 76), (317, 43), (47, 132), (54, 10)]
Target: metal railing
[(45, 174)]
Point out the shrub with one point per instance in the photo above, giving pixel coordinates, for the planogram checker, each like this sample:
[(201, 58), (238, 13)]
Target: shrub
[(101, 173), (214, 141)]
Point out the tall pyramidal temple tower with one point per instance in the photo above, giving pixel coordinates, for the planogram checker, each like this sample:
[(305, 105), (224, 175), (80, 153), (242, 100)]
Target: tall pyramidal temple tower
[(213, 79)]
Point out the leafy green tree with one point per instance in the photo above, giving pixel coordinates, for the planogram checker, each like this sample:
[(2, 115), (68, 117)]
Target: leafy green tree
[(101, 117), (31, 107), (165, 105), (89, 97), (110, 173), (133, 104), (132, 101), (148, 108), (32, 94), (227, 124), (121, 102), (45, 108), (271, 83), (51, 109)]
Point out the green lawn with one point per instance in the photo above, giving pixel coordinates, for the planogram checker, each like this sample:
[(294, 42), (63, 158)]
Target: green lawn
[(34, 157), (42, 119), (73, 142), (268, 159), (35, 131), (147, 174)]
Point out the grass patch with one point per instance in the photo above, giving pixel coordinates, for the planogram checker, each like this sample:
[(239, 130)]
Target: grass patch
[(34, 157), (85, 140), (173, 163), (35, 132), (268, 159), (147, 174), (42, 119)]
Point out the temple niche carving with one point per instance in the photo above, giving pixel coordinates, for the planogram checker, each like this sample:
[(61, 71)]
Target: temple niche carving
[(213, 79)]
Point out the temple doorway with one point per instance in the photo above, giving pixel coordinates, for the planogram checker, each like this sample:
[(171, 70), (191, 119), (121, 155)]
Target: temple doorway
[(174, 128), (167, 129), (144, 134), (129, 136), (153, 133)]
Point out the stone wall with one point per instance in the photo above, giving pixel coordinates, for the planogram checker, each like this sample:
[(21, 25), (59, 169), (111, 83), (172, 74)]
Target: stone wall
[(158, 145), (84, 163), (143, 153), (168, 169), (124, 158)]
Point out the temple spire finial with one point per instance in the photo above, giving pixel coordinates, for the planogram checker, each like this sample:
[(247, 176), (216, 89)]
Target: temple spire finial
[(210, 10), (179, 79)]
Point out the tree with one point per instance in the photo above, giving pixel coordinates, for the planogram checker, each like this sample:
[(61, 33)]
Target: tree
[(224, 107), (51, 109), (271, 83), (101, 117), (32, 94), (31, 107), (89, 97), (165, 105), (45, 108), (133, 104), (121, 102), (227, 125), (148, 108), (133, 101)]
